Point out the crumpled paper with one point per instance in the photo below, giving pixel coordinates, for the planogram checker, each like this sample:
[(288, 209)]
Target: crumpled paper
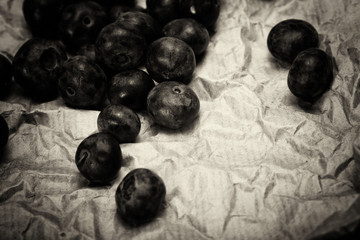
[(254, 165)]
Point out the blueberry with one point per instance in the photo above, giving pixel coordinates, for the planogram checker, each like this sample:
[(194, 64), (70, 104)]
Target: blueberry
[(204, 11), (80, 23), (130, 88), (119, 48), (82, 83), (120, 121), (98, 158), (42, 16), (37, 66), (170, 59), (311, 74), (289, 37), (173, 105), (190, 31), (140, 196)]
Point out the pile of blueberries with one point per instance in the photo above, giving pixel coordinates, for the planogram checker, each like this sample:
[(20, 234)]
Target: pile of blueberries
[(97, 40), (119, 58)]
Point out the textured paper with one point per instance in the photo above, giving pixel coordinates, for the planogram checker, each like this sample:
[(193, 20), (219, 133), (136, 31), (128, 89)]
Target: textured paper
[(254, 165)]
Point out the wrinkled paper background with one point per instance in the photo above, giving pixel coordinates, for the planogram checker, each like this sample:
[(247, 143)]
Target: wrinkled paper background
[(254, 165)]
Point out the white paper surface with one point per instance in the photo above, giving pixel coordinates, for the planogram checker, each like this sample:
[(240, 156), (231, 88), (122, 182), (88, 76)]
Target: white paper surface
[(254, 165)]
